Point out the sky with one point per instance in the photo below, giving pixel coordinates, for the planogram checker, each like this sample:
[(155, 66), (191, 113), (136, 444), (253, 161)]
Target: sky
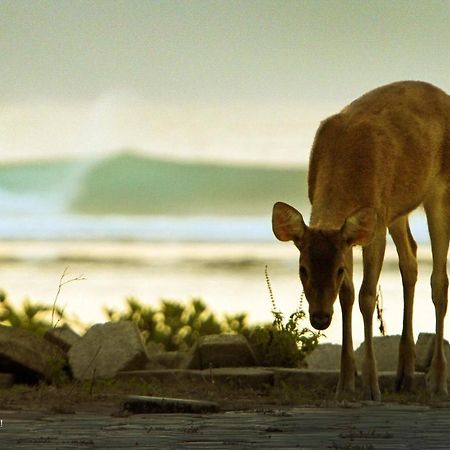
[(235, 80)]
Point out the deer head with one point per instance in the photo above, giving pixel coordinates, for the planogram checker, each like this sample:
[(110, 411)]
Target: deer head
[(322, 254)]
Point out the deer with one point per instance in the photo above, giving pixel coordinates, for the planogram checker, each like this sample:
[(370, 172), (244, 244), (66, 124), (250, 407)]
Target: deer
[(371, 164)]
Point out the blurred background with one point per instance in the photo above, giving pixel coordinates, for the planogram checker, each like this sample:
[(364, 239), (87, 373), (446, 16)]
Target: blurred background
[(143, 143)]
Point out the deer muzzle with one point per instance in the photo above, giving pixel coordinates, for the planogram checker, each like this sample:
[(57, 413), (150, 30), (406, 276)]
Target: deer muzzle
[(320, 321)]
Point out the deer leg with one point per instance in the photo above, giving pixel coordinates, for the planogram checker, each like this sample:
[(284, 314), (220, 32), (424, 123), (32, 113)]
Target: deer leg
[(407, 251), (346, 384), (439, 233), (373, 256)]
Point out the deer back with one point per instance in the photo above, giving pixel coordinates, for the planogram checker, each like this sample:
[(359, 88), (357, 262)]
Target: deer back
[(386, 150)]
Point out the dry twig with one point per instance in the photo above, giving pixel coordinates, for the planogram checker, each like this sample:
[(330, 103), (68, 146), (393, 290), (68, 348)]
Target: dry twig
[(63, 282)]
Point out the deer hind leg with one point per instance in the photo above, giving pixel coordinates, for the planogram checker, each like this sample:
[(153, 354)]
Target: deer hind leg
[(439, 228), (373, 256), (346, 385), (407, 257)]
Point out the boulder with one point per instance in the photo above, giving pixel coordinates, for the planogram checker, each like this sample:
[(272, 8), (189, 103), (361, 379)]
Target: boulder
[(424, 351), (154, 348), (64, 337), (325, 357), (386, 353), (107, 349), (6, 380), (220, 350), (28, 356), (168, 360), (328, 356)]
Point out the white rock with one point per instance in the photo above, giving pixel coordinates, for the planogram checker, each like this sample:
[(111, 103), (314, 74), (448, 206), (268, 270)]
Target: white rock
[(106, 349)]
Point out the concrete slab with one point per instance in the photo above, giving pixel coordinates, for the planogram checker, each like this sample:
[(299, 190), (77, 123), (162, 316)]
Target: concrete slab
[(390, 427), (239, 376)]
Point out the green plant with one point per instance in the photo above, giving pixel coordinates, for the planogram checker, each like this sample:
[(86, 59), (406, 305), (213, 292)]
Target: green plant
[(283, 343), (174, 325), (63, 280), (30, 316), (57, 366)]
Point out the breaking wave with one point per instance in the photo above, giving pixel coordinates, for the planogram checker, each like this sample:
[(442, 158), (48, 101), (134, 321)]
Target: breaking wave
[(128, 196), (128, 184), (132, 197)]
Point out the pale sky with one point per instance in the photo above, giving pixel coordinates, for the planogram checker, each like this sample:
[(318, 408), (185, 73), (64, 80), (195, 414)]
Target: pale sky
[(239, 79)]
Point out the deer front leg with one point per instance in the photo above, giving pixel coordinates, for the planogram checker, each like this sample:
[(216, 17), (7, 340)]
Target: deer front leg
[(373, 256), (407, 251), (437, 375), (371, 389), (346, 384), (439, 227)]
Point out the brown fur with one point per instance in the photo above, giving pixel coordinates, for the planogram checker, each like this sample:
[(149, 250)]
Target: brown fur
[(371, 165), (394, 144)]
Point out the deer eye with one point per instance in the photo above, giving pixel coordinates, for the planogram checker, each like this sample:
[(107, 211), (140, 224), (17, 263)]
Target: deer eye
[(340, 271)]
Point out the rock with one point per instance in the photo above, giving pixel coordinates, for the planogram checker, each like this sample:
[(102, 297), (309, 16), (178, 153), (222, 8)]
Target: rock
[(221, 350), (325, 357), (192, 360), (6, 380), (153, 364), (168, 360), (64, 337), (155, 352), (140, 404), (386, 353), (388, 381), (154, 348), (424, 351), (107, 349), (28, 356)]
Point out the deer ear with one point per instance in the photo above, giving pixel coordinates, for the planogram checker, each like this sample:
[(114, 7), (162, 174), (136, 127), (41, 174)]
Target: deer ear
[(360, 227), (287, 222)]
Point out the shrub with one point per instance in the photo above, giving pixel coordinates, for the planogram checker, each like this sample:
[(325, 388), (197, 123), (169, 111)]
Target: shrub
[(174, 325), (35, 317), (283, 344)]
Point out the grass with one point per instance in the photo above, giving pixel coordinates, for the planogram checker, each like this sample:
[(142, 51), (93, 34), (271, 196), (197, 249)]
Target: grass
[(106, 396)]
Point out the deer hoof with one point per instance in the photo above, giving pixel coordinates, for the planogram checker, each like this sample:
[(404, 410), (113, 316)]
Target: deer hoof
[(436, 382), (372, 394), (343, 394)]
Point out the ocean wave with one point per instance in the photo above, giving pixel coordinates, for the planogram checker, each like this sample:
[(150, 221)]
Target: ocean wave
[(12, 203), (42, 187), (129, 184), (129, 197)]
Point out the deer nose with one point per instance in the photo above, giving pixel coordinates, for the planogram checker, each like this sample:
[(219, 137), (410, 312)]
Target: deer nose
[(320, 321)]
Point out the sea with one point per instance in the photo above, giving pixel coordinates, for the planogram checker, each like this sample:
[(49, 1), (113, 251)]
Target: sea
[(128, 225)]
